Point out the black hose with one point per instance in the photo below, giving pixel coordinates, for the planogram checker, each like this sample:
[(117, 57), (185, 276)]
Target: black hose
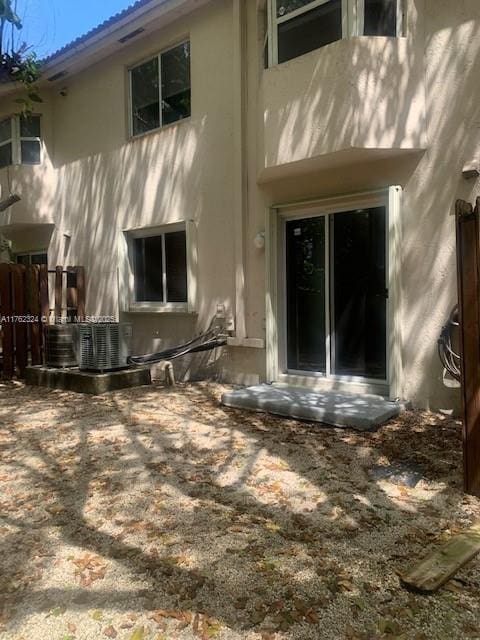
[(450, 360), (208, 341)]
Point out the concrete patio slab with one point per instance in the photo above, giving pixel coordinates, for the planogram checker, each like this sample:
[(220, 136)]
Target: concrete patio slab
[(362, 412), (87, 381)]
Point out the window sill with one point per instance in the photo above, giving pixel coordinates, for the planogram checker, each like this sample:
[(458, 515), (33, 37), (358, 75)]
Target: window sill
[(17, 165), (177, 309), (252, 343)]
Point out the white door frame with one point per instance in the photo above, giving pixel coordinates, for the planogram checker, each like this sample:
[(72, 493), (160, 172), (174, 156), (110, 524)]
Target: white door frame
[(276, 288)]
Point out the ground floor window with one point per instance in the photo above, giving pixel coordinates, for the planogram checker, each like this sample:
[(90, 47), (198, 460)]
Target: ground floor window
[(158, 268), (31, 257)]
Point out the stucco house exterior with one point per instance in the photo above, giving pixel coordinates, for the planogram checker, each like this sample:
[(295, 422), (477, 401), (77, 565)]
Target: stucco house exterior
[(290, 165)]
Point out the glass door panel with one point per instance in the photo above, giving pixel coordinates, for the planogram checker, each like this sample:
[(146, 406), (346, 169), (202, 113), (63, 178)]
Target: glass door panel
[(359, 293), (305, 267)]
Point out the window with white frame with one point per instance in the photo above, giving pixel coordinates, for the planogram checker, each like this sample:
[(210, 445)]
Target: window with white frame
[(159, 263), (299, 26), (20, 140), (30, 140), (5, 142), (160, 90)]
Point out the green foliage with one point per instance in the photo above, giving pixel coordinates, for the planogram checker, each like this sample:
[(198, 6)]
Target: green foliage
[(17, 64)]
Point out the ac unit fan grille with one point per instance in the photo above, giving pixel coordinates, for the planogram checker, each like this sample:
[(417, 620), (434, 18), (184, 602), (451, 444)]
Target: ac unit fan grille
[(103, 346)]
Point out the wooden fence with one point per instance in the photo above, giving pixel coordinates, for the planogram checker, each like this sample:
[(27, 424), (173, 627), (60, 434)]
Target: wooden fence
[(25, 310), (468, 269)]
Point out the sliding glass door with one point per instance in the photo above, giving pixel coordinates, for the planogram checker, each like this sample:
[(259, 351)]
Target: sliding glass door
[(336, 298), (305, 253), (359, 293)]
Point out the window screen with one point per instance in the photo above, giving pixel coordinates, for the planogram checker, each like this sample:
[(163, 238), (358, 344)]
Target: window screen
[(148, 269), (145, 97), (30, 127), (39, 258), (31, 258), (176, 83), (176, 262), (5, 142), (30, 145), (310, 30), (160, 267), (380, 18), (160, 90)]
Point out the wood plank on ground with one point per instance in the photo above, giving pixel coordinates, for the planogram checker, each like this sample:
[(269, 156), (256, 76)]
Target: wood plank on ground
[(441, 565)]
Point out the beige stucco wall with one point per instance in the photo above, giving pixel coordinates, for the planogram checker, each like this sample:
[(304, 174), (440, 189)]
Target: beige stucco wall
[(356, 115), (431, 102), (96, 182), (366, 94)]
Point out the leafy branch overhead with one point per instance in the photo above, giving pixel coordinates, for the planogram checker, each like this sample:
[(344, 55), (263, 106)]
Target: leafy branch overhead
[(17, 63)]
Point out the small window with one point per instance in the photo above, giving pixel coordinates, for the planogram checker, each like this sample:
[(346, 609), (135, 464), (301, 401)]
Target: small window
[(30, 141), (160, 267), (33, 257), (300, 26), (6, 142), (20, 140), (160, 90), (302, 32)]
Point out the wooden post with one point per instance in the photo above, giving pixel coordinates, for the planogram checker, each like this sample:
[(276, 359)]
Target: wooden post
[(58, 292), (468, 256), (33, 298), (80, 293), (44, 302), (43, 286), (72, 299), (20, 326), (6, 311)]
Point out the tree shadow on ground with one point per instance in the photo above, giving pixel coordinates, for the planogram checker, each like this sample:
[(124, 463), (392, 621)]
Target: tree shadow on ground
[(154, 499)]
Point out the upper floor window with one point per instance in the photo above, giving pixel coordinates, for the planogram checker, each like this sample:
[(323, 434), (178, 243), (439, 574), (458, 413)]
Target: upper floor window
[(160, 90), (299, 26), (20, 140)]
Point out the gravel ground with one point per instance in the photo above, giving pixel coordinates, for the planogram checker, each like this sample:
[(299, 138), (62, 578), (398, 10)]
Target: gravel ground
[(155, 514)]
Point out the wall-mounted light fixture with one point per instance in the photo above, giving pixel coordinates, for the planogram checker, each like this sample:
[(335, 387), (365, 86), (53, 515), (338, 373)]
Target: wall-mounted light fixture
[(259, 240)]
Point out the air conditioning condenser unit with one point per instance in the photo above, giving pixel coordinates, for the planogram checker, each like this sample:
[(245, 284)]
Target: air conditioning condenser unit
[(103, 346)]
